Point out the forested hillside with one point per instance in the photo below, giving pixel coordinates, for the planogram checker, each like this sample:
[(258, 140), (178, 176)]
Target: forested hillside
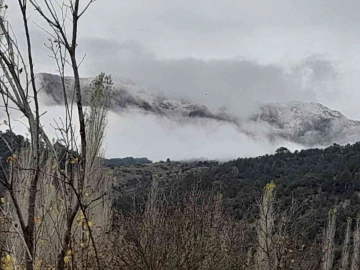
[(307, 185), (115, 162), (316, 179)]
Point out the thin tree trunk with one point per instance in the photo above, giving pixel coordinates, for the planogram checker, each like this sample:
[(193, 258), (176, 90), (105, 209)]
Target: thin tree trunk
[(346, 246), (356, 246), (328, 241)]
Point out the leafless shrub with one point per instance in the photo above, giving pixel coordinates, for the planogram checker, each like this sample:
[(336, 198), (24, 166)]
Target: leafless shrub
[(56, 205), (193, 235)]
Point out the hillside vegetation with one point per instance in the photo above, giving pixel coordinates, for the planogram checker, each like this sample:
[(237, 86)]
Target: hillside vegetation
[(311, 191), (309, 185)]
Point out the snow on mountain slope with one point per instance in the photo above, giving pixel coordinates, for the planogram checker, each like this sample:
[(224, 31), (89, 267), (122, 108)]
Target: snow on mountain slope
[(309, 124), (127, 95)]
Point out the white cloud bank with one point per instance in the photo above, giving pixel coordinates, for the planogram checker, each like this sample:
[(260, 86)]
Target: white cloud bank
[(157, 138)]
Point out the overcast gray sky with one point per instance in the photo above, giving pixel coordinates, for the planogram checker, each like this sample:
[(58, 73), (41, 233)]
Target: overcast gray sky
[(236, 51), (284, 49)]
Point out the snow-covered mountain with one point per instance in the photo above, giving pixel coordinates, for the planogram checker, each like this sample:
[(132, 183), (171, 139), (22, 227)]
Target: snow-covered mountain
[(309, 124)]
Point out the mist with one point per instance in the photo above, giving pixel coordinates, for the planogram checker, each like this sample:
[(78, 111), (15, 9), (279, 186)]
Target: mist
[(132, 133), (227, 55), (233, 84)]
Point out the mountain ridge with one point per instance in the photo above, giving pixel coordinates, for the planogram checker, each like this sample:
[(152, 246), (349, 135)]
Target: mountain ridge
[(306, 123)]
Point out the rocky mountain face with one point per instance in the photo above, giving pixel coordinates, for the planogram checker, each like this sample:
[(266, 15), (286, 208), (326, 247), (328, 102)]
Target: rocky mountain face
[(306, 123), (309, 124)]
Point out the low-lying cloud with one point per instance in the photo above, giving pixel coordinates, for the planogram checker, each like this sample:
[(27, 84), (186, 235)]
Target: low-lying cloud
[(235, 83), (230, 85), (134, 134), (187, 29)]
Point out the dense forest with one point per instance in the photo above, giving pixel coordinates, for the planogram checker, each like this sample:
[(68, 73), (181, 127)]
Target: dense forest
[(318, 179), (315, 179), (116, 162)]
